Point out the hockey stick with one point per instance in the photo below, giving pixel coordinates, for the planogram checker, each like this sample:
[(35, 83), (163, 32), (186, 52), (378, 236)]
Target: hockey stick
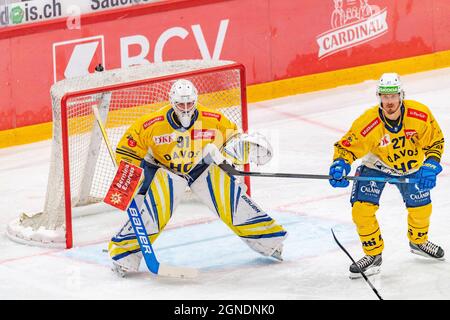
[(233, 171), (359, 269), (139, 228)]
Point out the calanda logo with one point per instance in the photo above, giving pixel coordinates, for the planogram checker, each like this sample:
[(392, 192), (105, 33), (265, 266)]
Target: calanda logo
[(353, 22), (372, 188), (420, 195)]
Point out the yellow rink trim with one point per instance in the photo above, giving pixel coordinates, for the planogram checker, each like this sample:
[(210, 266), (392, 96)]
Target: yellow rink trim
[(332, 79), (23, 135), (277, 89)]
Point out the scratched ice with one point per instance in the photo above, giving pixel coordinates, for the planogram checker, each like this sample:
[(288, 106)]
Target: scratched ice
[(302, 129)]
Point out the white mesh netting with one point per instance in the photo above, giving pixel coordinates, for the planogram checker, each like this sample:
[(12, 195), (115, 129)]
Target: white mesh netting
[(122, 96)]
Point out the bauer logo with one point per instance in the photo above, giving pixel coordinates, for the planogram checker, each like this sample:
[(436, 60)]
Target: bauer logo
[(353, 22), (78, 57)]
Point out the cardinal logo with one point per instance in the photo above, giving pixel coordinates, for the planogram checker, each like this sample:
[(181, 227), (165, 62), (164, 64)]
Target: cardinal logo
[(353, 22)]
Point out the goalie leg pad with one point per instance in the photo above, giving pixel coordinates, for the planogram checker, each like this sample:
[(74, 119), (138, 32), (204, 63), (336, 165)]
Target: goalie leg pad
[(418, 223), (363, 214), (225, 195), (164, 193)]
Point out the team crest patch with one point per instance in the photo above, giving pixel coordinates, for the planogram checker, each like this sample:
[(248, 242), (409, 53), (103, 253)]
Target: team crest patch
[(346, 143), (370, 127), (131, 142), (413, 113), (152, 121)]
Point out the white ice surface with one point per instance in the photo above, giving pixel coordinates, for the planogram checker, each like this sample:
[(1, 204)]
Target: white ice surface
[(302, 129)]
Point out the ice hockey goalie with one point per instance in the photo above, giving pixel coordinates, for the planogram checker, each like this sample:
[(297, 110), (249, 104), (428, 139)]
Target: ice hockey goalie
[(178, 147)]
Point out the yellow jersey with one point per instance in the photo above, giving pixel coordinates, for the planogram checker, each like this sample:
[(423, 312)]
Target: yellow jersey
[(399, 148), (160, 136)]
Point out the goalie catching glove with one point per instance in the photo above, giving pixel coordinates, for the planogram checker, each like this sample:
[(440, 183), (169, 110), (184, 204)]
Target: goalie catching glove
[(243, 148)]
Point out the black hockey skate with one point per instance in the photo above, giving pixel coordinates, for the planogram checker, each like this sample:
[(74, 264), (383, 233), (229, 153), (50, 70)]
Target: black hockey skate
[(428, 249), (370, 265)]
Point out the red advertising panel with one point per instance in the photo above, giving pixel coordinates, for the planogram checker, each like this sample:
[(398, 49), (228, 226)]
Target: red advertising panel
[(274, 39), (7, 110)]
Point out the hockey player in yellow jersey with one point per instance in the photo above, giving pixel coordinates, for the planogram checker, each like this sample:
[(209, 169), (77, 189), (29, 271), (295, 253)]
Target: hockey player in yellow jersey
[(396, 138), (177, 146)]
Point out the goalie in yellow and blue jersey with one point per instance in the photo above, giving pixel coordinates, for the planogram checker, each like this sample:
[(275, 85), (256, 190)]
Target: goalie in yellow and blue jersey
[(396, 138), (176, 146)]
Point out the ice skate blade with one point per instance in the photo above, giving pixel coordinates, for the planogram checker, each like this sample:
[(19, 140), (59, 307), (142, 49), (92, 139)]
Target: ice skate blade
[(372, 271), (423, 254)]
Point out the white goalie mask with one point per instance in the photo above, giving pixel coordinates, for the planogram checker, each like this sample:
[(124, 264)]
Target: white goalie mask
[(183, 98)]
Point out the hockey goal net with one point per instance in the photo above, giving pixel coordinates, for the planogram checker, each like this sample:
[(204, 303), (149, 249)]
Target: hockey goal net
[(81, 170)]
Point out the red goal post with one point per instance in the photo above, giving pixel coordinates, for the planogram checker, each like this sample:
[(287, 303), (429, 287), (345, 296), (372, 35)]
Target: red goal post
[(81, 169)]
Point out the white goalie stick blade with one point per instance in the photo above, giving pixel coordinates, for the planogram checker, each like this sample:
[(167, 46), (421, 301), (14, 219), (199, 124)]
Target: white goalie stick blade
[(177, 272)]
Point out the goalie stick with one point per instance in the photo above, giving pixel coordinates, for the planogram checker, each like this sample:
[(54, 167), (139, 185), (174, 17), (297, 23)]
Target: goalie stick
[(135, 217), (233, 171), (359, 269)]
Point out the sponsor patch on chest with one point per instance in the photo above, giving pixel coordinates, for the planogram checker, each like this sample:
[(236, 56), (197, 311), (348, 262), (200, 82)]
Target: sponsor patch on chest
[(164, 139), (413, 113), (203, 134)]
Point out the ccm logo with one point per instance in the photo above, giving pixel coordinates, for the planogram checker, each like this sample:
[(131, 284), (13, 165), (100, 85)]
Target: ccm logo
[(203, 134), (78, 57)]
